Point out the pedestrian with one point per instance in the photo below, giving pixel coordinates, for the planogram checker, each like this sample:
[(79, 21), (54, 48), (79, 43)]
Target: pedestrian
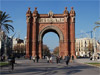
[(30, 57), (67, 59), (37, 58), (2, 58), (72, 58), (48, 59), (57, 59), (11, 60), (34, 58)]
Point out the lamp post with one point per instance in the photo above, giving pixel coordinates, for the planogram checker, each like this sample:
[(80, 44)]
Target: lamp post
[(94, 42), (85, 49)]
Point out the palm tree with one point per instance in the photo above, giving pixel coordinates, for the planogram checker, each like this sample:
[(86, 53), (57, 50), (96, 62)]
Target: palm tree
[(5, 27), (95, 51), (4, 22), (97, 25)]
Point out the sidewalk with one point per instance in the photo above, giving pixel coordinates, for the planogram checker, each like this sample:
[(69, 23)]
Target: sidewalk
[(86, 60)]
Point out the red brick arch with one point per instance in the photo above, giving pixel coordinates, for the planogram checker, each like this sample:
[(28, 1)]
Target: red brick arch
[(39, 24), (51, 28)]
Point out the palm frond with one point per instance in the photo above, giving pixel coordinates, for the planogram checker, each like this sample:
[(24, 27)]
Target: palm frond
[(4, 20), (97, 23), (8, 26), (4, 16), (96, 27), (8, 21), (0, 11)]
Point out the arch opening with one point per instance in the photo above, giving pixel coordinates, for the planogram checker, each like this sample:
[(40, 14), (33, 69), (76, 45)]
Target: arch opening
[(46, 30), (50, 44), (51, 29)]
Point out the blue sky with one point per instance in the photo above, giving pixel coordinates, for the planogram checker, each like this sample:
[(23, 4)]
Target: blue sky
[(87, 12)]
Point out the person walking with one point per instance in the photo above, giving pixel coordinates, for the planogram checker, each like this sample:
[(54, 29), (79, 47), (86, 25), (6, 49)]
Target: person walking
[(11, 60), (48, 59), (72, 58), (34, 58), (37, 58), (67, 59), (30, 57), (57, 59)]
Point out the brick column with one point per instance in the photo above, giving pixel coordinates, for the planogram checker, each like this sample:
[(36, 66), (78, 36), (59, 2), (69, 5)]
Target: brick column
[(40, 49), (72, 37), (61, 52), (66, 37), (34, 37), (28, 19), (27, 39), (72, 32), (66, 13)]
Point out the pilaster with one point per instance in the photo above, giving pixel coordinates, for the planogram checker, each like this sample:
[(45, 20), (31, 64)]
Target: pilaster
[(28, 19), (66, 15), (34, 40), (72, 32), (40, 49)]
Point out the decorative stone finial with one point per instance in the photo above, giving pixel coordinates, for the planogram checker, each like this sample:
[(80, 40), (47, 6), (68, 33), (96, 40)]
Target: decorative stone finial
[(72, 8), (72, 12), (28, 12), (35, 8), (65, 8), (65, 11), (29, 8), (35, 11)]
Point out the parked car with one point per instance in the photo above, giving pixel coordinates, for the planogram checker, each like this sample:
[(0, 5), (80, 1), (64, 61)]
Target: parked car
[(97, 56)]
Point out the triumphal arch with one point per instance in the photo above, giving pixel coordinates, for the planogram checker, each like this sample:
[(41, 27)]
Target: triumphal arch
[(61, 24)]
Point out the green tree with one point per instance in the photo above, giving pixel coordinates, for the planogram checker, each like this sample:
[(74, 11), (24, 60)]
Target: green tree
[(46, 51), (56, 51), (4, 22), (90, 47)]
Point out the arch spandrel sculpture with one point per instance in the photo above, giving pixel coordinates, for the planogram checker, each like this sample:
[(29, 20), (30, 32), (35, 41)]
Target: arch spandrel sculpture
[(40, 24)]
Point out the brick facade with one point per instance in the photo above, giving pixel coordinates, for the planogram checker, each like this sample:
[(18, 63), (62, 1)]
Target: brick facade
[(62, 24)]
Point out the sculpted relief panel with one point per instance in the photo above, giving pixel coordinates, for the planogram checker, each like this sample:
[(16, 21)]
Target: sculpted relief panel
[(50, 20)]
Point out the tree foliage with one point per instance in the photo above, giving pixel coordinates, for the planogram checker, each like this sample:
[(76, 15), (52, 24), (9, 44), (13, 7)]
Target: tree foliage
[(56, 51), (90, 47), (46, 51), (4, 22)]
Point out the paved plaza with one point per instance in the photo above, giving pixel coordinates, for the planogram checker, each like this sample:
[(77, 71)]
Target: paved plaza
[(27, 67)]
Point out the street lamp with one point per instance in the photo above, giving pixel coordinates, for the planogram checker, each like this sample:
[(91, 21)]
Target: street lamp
[(85, 49), (95, 52)]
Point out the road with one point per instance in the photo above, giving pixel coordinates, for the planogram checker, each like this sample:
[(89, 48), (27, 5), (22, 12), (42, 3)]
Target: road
[(27, 67)]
